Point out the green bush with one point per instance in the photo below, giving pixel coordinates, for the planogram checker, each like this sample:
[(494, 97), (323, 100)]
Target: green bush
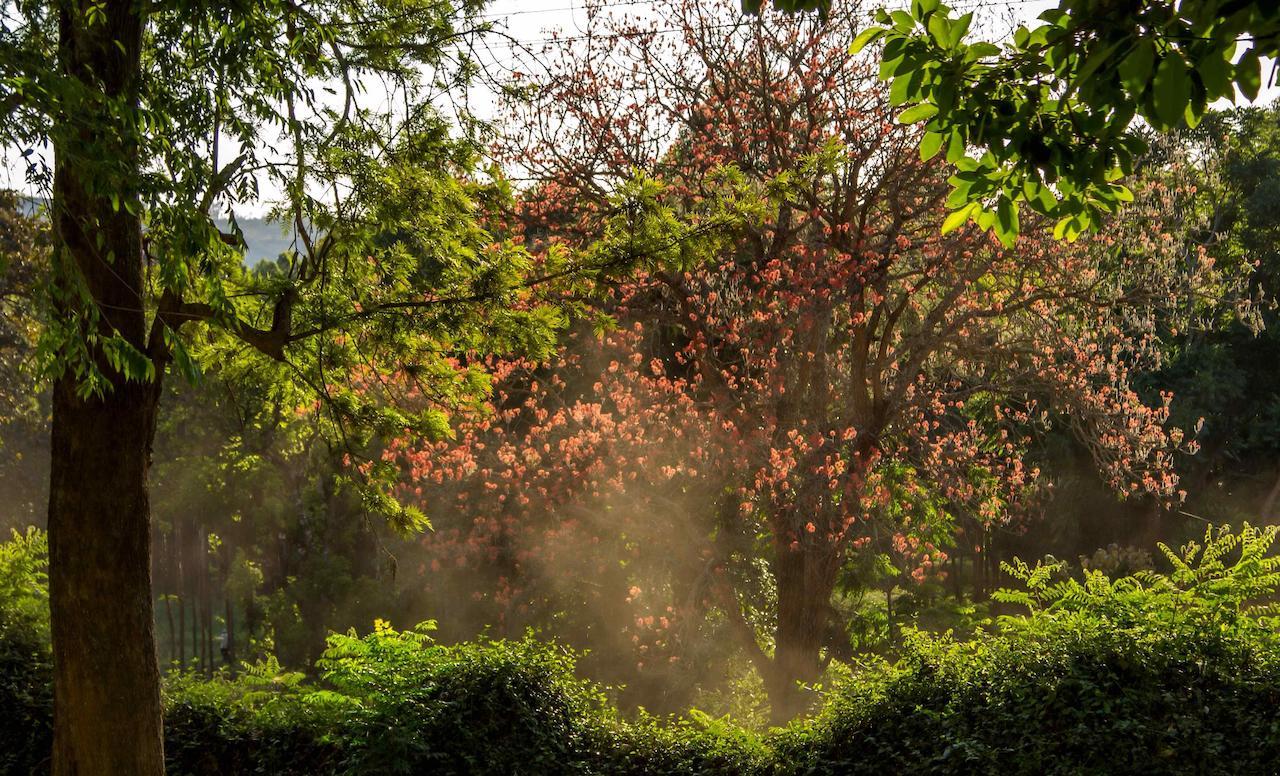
[(1151, 673), (391, 702), (26, 662), (395, 702)]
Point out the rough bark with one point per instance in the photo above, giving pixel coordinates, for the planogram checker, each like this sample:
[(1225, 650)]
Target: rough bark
[(107, 714), (805, 577), (106, 680)]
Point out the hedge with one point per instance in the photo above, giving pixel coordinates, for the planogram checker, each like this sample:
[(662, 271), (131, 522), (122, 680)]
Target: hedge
[(1150, 674)]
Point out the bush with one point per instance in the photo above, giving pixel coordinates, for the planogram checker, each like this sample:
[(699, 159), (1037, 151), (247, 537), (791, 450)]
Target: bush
[(395, 702), (392, 702), (26, 662), (1148, 674), (1151, 674)]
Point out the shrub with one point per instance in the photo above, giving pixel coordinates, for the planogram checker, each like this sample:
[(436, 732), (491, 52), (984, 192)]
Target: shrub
[(393, 702), (26, 662), (1151, 673), (1148, 674)]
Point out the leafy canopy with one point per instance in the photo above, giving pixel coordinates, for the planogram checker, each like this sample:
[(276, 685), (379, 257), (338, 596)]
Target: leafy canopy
[(396, 284), (1055, 130)]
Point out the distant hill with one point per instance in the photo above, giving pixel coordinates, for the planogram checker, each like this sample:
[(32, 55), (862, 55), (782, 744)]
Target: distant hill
[(265, 240)]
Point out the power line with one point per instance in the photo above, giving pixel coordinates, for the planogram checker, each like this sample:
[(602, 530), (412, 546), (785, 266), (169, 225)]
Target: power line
[(562, 9), (567, 39)]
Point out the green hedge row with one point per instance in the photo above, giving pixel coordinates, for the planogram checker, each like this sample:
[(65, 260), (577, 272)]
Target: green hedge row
[(1093, 702), (1152, 674)]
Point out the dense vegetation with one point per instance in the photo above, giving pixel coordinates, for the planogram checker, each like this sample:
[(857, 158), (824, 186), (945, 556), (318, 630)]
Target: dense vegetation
[(1150, 673), (697, 404)]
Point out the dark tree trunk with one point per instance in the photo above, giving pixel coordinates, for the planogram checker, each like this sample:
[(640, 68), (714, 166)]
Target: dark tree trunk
[(229, 655), (106, 680), (180, 535), (173, 632), (805, 577), (206, 607), (182, 633)]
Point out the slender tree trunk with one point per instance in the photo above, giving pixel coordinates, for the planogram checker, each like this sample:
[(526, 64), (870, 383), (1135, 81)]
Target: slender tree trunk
[(180, 534), (182, 632), (230, 657), (210, 633), (956, 589), (206, 608), (1269, 504), (173, 633)]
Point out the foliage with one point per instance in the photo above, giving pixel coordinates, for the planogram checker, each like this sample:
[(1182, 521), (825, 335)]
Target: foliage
[(24, 266), (26, 662), (396, 702), (393, 282), (24, 249), (1053, 131), (1223, 372), (833, 378), (1155, 673), (1220, 585)]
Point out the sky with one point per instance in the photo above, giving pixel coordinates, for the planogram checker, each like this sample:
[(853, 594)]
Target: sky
[(532, 20), (528, 23)]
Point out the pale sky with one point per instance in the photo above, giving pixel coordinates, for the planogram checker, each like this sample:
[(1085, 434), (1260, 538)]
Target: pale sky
[(529, 22)]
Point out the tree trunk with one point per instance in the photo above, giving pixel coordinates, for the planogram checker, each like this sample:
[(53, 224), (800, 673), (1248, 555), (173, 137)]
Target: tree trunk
[(180, 535), (805, 578), (206, 608), (106, 679), (229, 657), (173, 633), (1269, 504)]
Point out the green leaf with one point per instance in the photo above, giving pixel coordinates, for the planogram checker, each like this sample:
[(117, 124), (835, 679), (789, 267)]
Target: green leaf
[(1171, 89), (902, 21), (917, 113), (1095, 60), (960, 194), (930, 144), (865, 38), (1039, 197), (1249, 74), (958, 218), (959, 29), (889, 68), (900, 91), (1215, 73), (1007, 221), (1192, 116), (940, 29), (1135, 68), (980, 50)]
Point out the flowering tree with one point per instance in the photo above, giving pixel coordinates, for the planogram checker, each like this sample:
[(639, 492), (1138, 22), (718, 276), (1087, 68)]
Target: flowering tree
[(737, 426)]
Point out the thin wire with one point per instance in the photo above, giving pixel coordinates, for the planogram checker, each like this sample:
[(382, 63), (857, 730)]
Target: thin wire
[(568, 39), (536, 11), (975, 4)]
